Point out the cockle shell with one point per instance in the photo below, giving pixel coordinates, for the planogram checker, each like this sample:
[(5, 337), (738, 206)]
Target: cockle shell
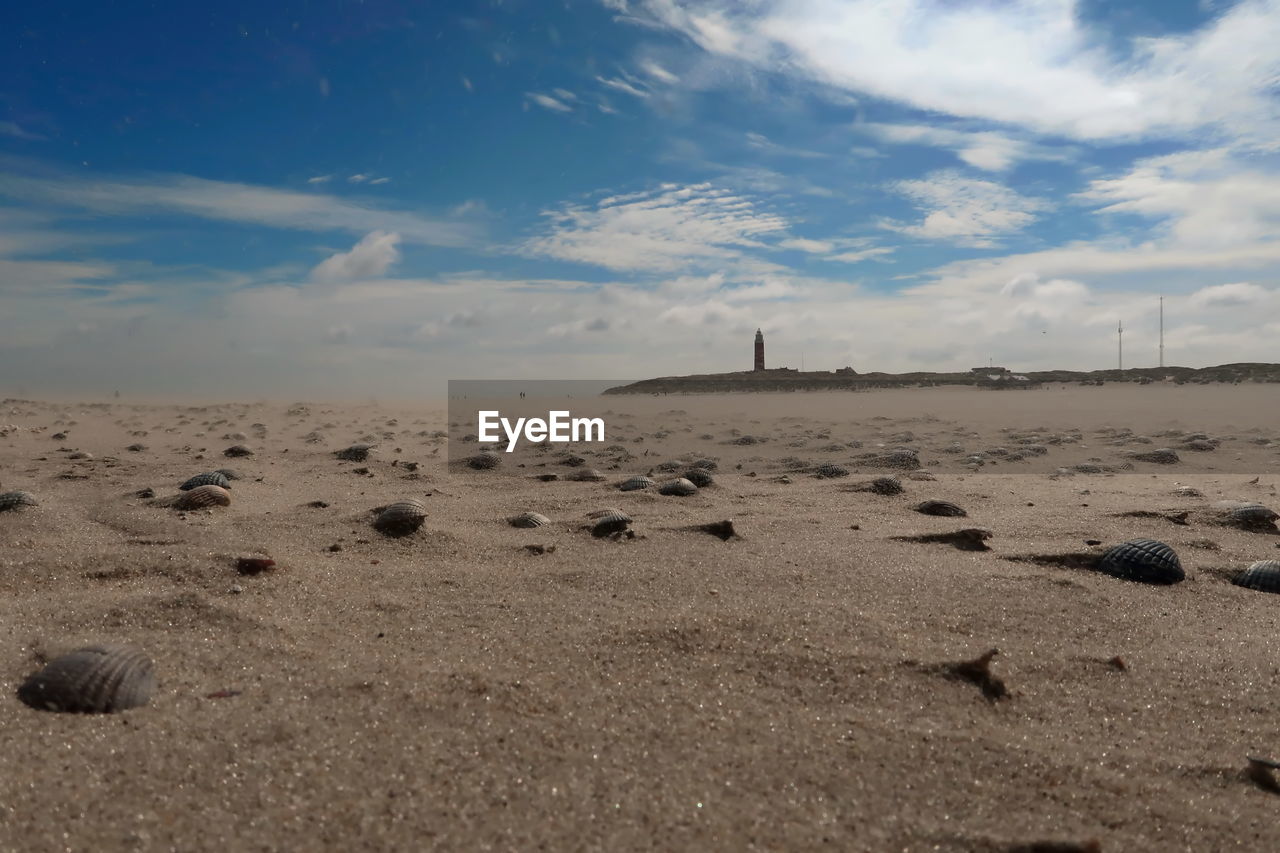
[(401, 518), (484, 461), (528, 519), (203, 496), (1160, 456), (610, 523), (1142, 560), (100, 679), (237, 450), (1264, 576), (17, 500), (229, 473), (699, 477), (209, 478), (354, 453), (680, 487), (636, 483), (586, 475), (940, 508), (1247, 515)]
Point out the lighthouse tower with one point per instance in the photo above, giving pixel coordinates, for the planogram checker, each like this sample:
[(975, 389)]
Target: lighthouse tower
[(759, 350)]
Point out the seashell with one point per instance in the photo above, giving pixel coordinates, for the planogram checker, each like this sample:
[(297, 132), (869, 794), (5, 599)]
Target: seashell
[(354, 453), (484, 461), (680, 487), (706, 464), (903, 458), (229, 473), (828, 471), (401, 518), (202, 497), (1142, 560), (1264, 576), (1201, 444), (601, 513), (586, 475), (136, 448), (211, 478), (1247, 515), (1161, 456), (98, 679), (17, 500), (609, 523), (80, 454), (940, 508), (237, 450), (886, 486), (1188, 492), (636, 483), (699, 477), (528, 519)]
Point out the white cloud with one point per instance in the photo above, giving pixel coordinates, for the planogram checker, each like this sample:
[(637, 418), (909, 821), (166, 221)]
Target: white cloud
[(760, 142), (320, 179), (1032, 64), (964, 211), (370, 258), (623, 86), (655, 70), (1231, 295), (664, 230), (358, 178), (380, 181), (15, 131), (860, 255), (804, 245), (229, 202), (987, 150), (548, 102)]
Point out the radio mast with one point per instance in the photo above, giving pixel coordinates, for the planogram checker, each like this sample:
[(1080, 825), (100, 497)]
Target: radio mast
[(1120, 339)]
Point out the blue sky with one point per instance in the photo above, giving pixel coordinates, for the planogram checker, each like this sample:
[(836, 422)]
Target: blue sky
[(338, 198)]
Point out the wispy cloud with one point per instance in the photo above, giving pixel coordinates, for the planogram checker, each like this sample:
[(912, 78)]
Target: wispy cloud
[(624, 86), (548, 102), (369, 258), (229, 202), (320, 179), (987, 150), (998, 61), (964, 211), (14, 131)]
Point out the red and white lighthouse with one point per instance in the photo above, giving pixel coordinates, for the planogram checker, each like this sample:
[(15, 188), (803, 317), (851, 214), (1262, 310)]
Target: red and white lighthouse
[(759, 350)]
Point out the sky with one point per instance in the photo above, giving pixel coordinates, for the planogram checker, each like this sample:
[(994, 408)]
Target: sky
[(335, 199)]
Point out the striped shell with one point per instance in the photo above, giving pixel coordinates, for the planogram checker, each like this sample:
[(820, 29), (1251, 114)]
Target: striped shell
[(237, 450), (905, 459), (1247, 514), (1160, 456), (612, 522), (680, 487), (586, 475), (203, 496), (528, 519), (99, 679), (1142, 560), (17, 500), (484, 461), (1263, 576), (940, 508), (401, 518), (699, 477), (706, 464), (229, 473), (637, 483), (354, 453), (886, 486), (209, 478), (828, 471)]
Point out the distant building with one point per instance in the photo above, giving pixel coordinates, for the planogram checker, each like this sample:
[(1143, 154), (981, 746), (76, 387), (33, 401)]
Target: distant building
[(759, 364), (846, 371), (985, 370)]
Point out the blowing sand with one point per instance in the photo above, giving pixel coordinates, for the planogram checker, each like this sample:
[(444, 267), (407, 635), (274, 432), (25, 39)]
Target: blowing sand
[(783, 690)]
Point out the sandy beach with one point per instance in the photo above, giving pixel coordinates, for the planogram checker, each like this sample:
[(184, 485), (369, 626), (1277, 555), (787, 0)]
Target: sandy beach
[(786, 689)]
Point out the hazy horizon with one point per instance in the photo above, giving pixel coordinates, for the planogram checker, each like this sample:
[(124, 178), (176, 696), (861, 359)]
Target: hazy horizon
[(343, 202)]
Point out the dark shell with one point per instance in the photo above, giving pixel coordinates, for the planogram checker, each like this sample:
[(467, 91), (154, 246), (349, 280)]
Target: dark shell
[(237, 450), (680, 487), (904, 459), (610, 523), (706, 464), (229, 473), (1247, 515), (354, 453), (209, 478), (99, 679), (828, 471), (528, 519), (940, 508), (885, 486), (203, 496), (484, 461), (699, 477), (586, 475), (17, 500), (1142, 560), (1160, 456), (401, 518), (1263, 576), (636, 483)]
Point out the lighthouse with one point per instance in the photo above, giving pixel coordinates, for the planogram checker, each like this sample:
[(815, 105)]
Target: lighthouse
[(759, 350)]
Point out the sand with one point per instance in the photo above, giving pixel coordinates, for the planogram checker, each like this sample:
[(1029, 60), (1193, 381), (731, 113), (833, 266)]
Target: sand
[(778, 691)]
